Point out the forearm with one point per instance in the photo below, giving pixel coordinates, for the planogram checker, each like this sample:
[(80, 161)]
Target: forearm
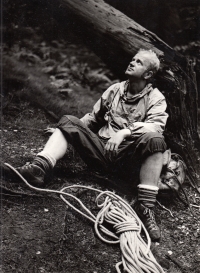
[(155, 121), (139, 128)]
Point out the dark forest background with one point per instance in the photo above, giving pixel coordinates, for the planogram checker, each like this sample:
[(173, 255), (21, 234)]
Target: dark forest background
[(177, 22)]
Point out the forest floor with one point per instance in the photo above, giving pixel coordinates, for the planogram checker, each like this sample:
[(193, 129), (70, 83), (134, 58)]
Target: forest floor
[(40, 233)]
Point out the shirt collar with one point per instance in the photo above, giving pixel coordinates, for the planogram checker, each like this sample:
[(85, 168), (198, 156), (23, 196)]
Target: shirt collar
[(141, 94)]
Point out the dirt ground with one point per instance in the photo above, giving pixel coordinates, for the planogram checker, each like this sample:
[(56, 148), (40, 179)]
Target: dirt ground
[(40, 233)]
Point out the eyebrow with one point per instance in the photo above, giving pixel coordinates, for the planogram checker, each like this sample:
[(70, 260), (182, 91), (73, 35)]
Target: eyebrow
[(138, 59)]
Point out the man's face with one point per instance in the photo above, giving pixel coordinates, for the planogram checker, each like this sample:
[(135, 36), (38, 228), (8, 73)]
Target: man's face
[(138, 66)]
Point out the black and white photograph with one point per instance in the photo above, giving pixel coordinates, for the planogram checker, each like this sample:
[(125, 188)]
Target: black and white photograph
[(100, 136)]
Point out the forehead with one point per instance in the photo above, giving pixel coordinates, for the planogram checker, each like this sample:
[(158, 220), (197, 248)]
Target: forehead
[(143, 56)]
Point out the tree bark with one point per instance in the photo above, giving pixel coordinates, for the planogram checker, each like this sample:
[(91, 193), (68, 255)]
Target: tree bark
[(117, 38)]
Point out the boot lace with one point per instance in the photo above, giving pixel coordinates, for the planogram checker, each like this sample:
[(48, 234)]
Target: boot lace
[(150, 218), (27, 166)]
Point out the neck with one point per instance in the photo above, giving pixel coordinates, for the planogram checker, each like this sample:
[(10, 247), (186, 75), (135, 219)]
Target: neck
[(136, 87)]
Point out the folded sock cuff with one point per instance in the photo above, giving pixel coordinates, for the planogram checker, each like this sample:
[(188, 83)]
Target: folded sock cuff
[(148, 187), (48, 157), (147, 195)]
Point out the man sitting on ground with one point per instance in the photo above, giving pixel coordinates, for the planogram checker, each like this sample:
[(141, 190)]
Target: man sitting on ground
[(123, 134)]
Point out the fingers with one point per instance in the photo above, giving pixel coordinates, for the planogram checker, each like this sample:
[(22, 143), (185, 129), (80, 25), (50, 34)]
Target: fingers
[(111, 148), (49, 130)]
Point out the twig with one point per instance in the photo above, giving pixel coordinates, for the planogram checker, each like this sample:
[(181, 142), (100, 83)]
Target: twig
[(164, 208), (194, 206), (12, 195), (176, 262)]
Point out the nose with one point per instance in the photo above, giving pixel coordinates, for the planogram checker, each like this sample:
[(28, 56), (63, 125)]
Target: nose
[(132, 63)]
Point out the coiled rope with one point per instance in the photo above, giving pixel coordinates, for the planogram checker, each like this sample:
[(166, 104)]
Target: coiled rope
[(136, 254)]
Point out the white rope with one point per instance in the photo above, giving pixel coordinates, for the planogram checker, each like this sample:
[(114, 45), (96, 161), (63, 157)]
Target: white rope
[(136, 254)]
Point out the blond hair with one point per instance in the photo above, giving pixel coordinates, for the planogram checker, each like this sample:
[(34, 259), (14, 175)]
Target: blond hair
[(154, 61)]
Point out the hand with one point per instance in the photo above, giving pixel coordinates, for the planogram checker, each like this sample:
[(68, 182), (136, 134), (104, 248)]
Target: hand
[(49, 130), (113, 143)]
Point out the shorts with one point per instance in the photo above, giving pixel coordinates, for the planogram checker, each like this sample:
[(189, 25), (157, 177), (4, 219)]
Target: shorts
[(126, 163)]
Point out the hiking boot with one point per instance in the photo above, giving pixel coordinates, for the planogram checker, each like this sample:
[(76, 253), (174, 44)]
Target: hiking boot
[(7, 174), (147, 216), (33, 174)]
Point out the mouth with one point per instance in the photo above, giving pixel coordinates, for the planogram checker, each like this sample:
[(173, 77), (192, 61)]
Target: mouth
[(130, 68)]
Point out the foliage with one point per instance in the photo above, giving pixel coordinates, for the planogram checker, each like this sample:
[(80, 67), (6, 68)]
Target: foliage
[(53, 75)]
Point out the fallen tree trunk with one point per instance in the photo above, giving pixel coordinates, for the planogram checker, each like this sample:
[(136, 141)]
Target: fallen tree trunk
[(117, 38)]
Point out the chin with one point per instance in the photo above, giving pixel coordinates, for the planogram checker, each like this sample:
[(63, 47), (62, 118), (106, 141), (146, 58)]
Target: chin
[(127, 73)]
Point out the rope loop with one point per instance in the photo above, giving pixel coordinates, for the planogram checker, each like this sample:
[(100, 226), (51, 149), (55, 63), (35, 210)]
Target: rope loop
[(126, 226), (136, 253)]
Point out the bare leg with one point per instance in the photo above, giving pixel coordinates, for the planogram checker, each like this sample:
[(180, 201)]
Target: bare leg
[(57, 145), (151, 169)]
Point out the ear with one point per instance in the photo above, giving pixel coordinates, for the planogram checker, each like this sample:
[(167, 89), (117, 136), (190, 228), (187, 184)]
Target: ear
[(148, 74)]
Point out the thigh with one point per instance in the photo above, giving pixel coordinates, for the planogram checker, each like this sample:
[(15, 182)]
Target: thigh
[(89, 146), (132, 153)]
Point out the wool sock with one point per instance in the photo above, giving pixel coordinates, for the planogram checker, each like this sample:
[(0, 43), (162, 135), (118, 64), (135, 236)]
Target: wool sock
[(44, 161), (147, 195)]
